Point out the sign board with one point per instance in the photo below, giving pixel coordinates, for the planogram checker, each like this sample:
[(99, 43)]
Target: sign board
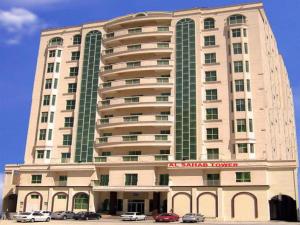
[(202, 164)]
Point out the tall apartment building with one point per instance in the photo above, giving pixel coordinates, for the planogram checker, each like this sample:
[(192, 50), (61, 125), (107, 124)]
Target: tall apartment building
[(185, 111)]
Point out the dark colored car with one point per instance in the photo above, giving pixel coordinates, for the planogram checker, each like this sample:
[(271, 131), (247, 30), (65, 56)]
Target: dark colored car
[(87, 216), (167, 217)]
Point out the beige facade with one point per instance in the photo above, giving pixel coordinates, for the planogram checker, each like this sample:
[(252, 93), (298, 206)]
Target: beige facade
[(185, 111)]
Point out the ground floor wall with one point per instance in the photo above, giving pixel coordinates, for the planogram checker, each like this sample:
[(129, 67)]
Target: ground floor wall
[(227, 203)]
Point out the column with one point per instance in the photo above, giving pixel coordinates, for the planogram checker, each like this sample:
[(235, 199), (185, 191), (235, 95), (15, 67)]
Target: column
[(50, 194), (194, 200), (156, 202), (70, 199), (169, 208), (220, 203), (91, 201), (125, 205), (113, 203)]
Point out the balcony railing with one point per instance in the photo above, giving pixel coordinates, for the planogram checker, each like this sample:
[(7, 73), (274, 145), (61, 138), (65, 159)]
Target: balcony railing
[(99, 183), (137, 64), (134, 119), (212, 182), (61, 183), (136, 81), (135, 31), (135, 100), (133, 138), (132, 158)]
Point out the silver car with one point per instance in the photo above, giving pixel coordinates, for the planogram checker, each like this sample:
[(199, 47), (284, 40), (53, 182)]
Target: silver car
[(62, 215), (192, 218)]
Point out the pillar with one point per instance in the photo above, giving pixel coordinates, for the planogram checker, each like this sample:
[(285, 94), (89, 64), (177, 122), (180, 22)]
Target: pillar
[(50, 194), (125, 205), (91, 201), (220, 203), (170, 194), (70, 198), (113, 201)]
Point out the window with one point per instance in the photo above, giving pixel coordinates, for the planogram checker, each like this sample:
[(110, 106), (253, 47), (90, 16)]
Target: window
[(210, 76), (56, 41), (69, 121), (50, 68), (61, 196), (240, 105), (131, 179), (213, 179), (70, 104), (238, 66), (134, 30), (40, 154), (237, 48), (210, 40), (247, 66), (44, 117), (209, 23), (245, 32), (51, 53), (67, 139), (242, 177), (51, 117), (49, 134), (246, 48), (212, 114), (55, 83), (164, 152), (81, 201), (133, 64), (210, 58), (232, 126), (42, 136), (104, 180), (65, 157), (36, 179), (48, 154), (58, 53), (163, 28), (248, 85), (239, 85), (34, 196), (212, 133), (236, 19), (134, 47), (211, 94), (63, 178), (73, 71), (236, 32), (251, 148), (241, 125), (163, 45), (249, 105), (57, 67), (77, 39), (75, 55), (242, 148), (250, 125), (48, 84), (212, 153), (72, 87), (106, 154), (53, 99), (163, 179), (134, 153)]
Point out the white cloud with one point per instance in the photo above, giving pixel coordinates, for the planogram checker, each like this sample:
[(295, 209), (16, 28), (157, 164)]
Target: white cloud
[(32, 3), (18, 22)]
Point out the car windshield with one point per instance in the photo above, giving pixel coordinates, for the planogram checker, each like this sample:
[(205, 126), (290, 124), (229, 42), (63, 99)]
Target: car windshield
[(189, 214), (129, 213), (166, 214), (25, 213)]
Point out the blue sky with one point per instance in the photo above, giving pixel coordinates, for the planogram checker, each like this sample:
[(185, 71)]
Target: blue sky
[(22, 20)]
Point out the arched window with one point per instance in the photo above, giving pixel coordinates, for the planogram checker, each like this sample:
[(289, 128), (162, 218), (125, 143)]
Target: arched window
[(77, 39), (236, 19), (209, 23), (81, 201), (56, 41)]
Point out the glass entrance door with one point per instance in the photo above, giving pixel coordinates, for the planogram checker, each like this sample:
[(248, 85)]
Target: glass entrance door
[(136, 206)]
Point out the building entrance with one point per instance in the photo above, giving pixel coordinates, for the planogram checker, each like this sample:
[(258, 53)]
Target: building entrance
[(136, 206)]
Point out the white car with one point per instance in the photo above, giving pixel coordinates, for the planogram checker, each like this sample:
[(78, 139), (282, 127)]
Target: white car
[(133, 216), (32, 217)]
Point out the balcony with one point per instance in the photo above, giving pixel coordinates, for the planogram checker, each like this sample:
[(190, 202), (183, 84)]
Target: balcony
[(136, 49), (135, 120), (61, 183), (135, 101), (133, 140), (140, 83), (212, 182), (132, 158), (119, 36), (137, 66)]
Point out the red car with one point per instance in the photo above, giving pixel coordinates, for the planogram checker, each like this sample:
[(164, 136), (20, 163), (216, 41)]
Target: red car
[(167, 217)]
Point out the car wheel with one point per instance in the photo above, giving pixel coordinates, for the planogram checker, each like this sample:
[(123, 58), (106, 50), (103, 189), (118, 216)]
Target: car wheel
[(86, 218), (65, 217), (48, 219), (32, 220)]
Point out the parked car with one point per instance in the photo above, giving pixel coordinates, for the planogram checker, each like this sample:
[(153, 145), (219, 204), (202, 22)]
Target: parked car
[(32, 217), (62, 215), (87, 216), (192, 218), (47, 213), (133, 216), (167, 217)]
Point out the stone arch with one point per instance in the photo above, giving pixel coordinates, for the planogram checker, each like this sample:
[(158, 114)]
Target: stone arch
[(185, 194), (244, 193), (283, 207), (208, 193), (76, 195), (56, 194), (31, 193)]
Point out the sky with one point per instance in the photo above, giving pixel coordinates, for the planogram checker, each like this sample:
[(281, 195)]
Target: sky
[(22, 20)]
